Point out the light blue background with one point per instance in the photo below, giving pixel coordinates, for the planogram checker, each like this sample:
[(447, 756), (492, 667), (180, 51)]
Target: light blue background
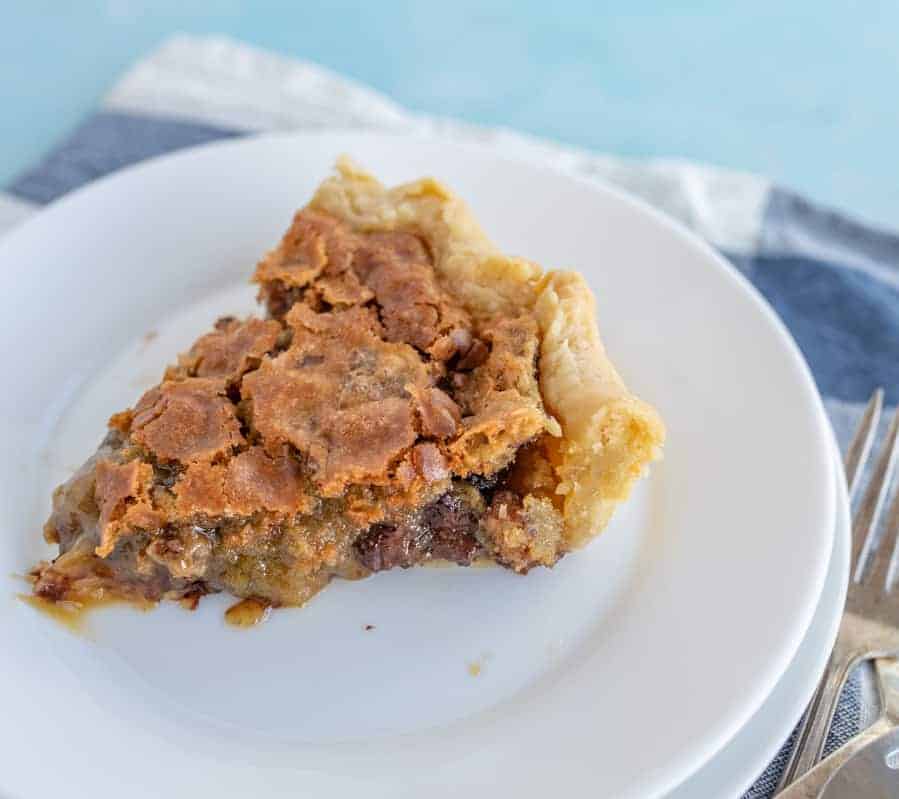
[(806, 91)]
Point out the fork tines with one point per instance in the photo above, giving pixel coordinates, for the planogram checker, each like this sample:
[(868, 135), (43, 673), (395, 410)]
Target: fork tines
[(865, 524)]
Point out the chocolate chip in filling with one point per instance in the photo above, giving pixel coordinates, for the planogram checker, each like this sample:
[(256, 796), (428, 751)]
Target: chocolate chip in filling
[(446, 529)]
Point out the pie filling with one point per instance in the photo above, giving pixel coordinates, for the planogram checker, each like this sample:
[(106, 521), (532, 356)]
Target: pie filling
[(368, 423)]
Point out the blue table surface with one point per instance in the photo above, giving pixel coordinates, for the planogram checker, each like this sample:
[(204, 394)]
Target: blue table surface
[(803, 91)]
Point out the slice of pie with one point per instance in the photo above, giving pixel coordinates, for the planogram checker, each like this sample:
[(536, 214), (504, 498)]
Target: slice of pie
[(412, 395)]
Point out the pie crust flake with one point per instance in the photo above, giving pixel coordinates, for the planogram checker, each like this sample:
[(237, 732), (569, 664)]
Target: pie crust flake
[(412, 395)]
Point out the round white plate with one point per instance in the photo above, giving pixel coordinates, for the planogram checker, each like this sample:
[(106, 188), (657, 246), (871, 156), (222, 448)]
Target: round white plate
[(469, 679), (742, 760)]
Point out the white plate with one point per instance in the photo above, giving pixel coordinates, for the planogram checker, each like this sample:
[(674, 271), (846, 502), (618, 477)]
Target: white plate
[(714, 568), (742, 760)]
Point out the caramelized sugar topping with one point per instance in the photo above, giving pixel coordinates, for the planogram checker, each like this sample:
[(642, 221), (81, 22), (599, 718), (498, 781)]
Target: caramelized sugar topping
[(368, 423)]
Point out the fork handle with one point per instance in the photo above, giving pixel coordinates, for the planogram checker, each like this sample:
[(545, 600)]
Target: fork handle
[(815, 724), (810, 785)]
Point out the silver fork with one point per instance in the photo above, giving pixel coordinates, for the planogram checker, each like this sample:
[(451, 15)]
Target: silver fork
[(870, 624), (810, 785)]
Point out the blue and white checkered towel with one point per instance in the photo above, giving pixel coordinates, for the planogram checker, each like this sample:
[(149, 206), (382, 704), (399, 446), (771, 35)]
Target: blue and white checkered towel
[(834, 281)]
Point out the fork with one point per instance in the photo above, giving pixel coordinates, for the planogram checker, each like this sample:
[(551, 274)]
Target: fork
[(810, 785), (869, 625)]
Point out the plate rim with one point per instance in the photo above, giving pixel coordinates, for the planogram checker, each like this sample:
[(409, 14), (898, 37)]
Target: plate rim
[(770, 746)]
